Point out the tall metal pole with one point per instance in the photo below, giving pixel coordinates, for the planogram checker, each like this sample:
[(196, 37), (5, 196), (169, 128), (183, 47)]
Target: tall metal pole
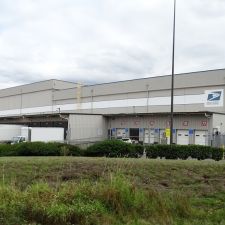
[(172, 80)]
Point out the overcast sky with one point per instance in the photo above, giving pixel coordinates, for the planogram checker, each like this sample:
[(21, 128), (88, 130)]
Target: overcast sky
[(95, 41)]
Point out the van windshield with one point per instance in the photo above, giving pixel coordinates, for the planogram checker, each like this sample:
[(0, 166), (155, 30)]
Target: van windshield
[(16, 139)]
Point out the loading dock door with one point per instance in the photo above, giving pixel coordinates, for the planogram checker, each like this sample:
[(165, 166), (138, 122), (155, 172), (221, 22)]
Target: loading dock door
[(152, 136), (200, 137), (120, 133), (134, 133), (182, 137), (147, 137)]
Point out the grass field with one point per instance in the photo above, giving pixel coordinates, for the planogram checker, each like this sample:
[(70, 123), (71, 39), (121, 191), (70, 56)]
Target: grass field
[(69, 190)]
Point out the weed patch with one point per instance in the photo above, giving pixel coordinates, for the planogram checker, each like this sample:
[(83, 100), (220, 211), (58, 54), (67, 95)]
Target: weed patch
[(111, 191)]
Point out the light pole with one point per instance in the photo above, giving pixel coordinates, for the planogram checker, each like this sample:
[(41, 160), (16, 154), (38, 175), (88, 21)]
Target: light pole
[(172, 78)]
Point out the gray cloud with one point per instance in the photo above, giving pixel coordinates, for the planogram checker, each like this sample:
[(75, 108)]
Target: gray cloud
[(107, 40)]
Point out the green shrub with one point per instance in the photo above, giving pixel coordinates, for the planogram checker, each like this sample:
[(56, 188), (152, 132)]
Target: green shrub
[(152, 151), (184, 151), (39, 149), (138, 150), (114, 148), (7, 150), (73, 150), (217, 154), (64, 151)]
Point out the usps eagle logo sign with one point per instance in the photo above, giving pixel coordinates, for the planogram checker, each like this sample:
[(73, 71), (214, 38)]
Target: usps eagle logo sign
[(214, 98)]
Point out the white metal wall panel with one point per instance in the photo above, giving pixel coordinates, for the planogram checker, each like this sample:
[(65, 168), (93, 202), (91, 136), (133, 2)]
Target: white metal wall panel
[(219, 123), (196, 92), (10, 103), (37, 99), (87, 128)]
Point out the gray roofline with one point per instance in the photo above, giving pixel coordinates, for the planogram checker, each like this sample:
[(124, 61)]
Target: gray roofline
[(113, 115), (153, 77), (91, 85), (162, 113), (36, 82)]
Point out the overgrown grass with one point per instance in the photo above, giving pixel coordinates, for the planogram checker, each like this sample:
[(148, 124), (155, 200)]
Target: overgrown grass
[(66, 191), (115, 201)]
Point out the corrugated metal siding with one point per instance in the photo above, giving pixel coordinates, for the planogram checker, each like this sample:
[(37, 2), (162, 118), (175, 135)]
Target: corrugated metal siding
[(198, 122), (108, 95), (87, 128), (11, 102), (29, 88), (43, 98), (219, 122), (36, 99), (183, 81), (70, 97)]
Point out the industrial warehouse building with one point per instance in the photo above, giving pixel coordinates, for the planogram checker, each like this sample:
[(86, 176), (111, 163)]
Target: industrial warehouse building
[(139, 108)]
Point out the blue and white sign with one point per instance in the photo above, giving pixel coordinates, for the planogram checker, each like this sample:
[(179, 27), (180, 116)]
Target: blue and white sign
[(141, 130), (191, 132), (214, 98), (156, 130)]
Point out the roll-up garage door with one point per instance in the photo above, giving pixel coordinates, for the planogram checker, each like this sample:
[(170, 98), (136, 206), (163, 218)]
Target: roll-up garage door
[(201, 137), (152, 136), (149, 136), (120, 133), (182, 137)]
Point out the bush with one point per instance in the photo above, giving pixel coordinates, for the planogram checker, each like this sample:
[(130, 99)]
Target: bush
[(114, 148), (138, 150), (7, 150), (217, 154), (184, 151), (39, 149)]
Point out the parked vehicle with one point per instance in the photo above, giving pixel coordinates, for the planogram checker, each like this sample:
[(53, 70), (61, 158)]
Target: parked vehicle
[(128, 140), (8, 131), (45, 134)]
